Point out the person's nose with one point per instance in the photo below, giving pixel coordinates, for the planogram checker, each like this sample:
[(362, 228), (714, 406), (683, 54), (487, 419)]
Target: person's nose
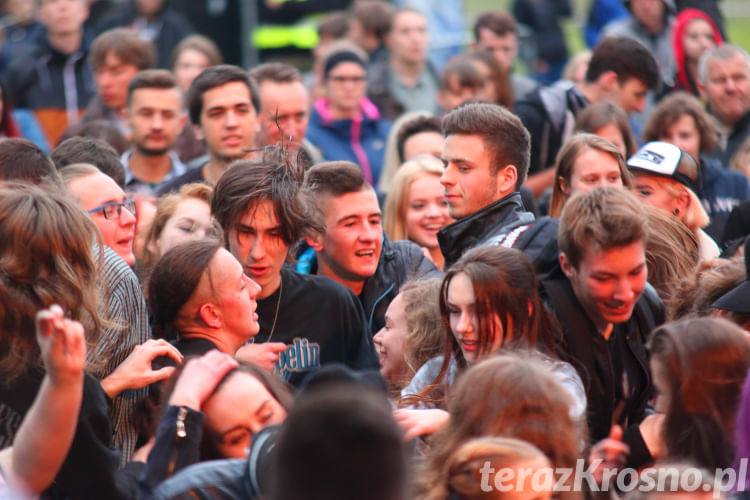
[(231, 119), (447, 178), (258, 250), (378, 338), (464, 323), (126, 217), (253, 289), (624, 291), (157, 121), (433, 211), (368, 233)]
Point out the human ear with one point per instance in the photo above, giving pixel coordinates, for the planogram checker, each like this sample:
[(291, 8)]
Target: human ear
[(683, 201), (608, 81), (508, 176), (564, 186), (315, 240), (210, 315), (566, 266)]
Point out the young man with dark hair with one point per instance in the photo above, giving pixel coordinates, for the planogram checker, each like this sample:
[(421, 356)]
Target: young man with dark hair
[(605, 307), (305, 321), (53, 78), (486, 157), (116, 56), (621, 70), (223, 105), (284, 108), (497, 32), (93, 151), (155, 115), (348, 241)]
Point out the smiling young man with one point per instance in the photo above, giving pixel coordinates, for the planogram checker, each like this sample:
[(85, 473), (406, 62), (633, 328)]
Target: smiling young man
[(305, 321), (605, 307), (350, 247), (223, 104)]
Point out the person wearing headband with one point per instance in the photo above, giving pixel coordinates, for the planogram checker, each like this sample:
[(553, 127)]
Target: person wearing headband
[(344, 124)]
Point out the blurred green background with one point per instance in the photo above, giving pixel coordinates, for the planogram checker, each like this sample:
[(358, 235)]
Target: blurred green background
[(736, 13)]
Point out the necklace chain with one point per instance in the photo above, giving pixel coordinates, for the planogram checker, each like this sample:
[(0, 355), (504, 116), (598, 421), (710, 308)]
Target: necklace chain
[(276, 314)]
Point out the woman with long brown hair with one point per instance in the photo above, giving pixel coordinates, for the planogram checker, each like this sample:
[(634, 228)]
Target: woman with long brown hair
[(585, 162), (490, 303)]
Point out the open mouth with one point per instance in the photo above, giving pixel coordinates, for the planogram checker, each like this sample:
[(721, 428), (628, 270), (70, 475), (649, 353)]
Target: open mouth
[(256, 270), (618, 309), (469, 345), (364, 253)]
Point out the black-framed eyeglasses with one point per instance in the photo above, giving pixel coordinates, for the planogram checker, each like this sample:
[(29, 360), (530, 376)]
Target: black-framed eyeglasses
[(113, 209)]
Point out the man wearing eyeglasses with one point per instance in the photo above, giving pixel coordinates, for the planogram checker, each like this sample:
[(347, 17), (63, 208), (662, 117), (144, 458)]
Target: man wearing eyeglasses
[(344, 124), (110, 209)]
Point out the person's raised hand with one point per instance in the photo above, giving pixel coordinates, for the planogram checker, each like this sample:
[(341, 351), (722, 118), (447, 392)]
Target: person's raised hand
[(135, 372), (261, 355), (609, 453), (200, 377), (62, 343), (417, 423)]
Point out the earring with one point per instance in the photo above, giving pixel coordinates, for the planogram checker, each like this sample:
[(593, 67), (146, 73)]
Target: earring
[(676, 211)]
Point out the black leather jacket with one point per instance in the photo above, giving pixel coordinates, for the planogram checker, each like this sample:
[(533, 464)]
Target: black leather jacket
[(492, 224)]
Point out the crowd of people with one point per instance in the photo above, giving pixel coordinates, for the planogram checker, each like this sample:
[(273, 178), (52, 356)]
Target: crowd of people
[(383, 279)]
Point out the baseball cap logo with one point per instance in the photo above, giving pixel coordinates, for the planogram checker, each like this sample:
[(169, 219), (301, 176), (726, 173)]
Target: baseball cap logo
[(651, 156)]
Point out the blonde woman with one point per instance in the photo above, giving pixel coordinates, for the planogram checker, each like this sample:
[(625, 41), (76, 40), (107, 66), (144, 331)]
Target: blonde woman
[(415, 208), (668, 178)]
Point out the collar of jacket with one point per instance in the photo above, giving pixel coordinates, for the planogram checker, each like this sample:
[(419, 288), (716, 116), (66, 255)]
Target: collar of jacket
[(503, 215), (369, 110)]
